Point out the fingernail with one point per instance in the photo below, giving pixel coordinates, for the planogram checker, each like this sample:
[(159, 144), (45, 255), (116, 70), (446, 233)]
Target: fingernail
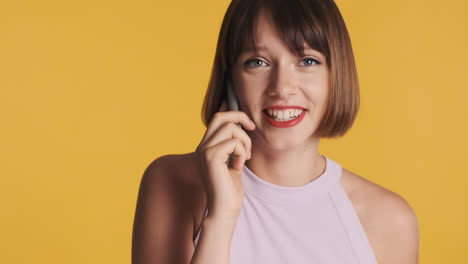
[(252, 124)]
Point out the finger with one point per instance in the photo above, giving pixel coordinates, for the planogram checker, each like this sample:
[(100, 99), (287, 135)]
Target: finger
[(240, 157), (227, 131), (222, 151), (223, 117), (233, 116), (239, 163), (220, 118), (229, 116)]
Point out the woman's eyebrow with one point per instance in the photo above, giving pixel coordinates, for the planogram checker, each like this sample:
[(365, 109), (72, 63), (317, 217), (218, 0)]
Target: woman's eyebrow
[(265, 48), (252, 49), (314, 51)]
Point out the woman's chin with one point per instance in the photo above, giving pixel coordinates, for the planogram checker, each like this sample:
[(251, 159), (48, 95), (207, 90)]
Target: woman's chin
[(284, 144), (280, 141)]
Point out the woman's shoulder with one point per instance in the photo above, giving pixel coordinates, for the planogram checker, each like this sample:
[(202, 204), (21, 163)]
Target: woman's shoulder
[(181, 171), (388, 219), (179, 167)]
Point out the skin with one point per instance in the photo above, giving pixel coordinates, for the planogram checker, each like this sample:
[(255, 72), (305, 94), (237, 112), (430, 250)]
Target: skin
[(387, 219), (277, 77)]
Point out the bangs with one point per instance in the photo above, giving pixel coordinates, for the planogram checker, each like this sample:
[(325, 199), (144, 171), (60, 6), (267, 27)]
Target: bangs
[(297, 23), (317, 24)]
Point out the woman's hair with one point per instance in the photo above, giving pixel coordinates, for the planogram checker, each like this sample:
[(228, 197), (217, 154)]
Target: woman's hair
[(316, 22)]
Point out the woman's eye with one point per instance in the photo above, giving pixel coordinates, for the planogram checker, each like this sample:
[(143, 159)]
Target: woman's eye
[(254, 63), (259, 63), (310, 61)]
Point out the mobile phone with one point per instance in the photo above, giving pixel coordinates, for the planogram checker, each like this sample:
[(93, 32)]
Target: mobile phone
[(231, 98), (233, 106)]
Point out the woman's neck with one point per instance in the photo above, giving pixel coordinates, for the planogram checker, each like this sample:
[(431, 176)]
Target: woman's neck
[(287, 167)]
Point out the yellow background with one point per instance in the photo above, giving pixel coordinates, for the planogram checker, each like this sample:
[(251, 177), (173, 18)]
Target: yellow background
[(92, 91)]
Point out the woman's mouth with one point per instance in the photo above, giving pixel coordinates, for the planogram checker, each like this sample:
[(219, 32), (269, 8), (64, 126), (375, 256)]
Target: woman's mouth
[(285, 117)]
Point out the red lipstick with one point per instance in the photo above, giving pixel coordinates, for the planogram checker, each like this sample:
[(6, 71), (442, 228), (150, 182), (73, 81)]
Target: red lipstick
[(284, 124), (285, 107)]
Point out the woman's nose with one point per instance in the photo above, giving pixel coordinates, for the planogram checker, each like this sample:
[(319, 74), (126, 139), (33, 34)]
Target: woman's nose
[(282, 83)]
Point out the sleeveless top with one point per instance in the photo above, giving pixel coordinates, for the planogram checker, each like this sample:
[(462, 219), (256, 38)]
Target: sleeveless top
[(314, 223)]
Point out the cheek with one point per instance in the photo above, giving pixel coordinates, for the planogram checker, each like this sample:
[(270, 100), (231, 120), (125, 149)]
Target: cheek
[(249, 99), (250, 91), (321, 98), (322, 94), (317, 92)]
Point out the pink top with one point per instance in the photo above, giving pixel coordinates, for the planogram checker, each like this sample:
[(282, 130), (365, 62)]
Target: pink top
[(313, 223)]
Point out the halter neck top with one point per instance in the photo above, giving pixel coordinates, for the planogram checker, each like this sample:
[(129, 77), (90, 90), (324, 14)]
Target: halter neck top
[(313, 223)]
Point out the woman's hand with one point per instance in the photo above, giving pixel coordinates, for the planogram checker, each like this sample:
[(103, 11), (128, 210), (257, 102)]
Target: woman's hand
[(223, 184)]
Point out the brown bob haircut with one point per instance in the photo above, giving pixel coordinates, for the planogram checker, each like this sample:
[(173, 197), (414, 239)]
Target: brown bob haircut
[(316, 22)]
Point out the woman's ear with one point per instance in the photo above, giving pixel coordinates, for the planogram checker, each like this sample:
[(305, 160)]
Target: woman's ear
[(223, 107)]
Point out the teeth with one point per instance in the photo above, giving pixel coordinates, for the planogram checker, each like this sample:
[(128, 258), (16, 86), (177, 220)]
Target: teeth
[(284, 115), (280, 115)]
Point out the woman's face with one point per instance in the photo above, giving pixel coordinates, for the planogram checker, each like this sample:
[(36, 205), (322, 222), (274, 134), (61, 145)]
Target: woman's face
[(274, 78)]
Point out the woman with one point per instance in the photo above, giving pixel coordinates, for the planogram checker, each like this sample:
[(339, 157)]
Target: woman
[(278, 200)]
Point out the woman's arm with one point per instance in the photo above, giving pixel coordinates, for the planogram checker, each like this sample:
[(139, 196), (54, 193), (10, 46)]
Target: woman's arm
[(163, 224), (214, 244), (400, 226), (388, 220), (392, 226)]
